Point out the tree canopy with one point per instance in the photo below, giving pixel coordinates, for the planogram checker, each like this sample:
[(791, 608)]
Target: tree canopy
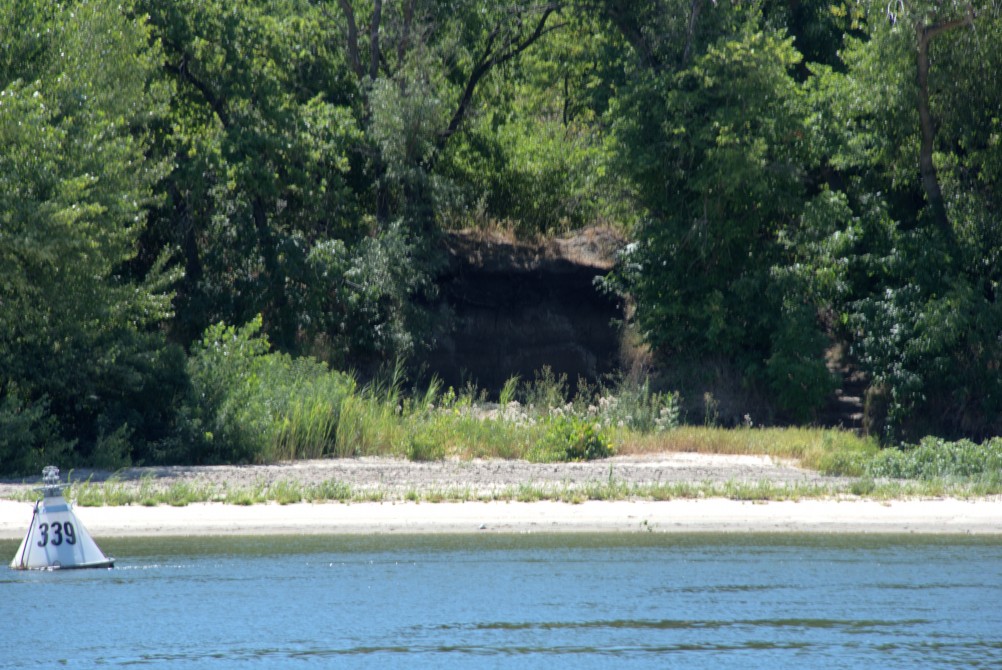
[(791, 177)]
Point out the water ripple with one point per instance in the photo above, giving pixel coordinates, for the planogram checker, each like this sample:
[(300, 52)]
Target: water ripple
[(852, 625)]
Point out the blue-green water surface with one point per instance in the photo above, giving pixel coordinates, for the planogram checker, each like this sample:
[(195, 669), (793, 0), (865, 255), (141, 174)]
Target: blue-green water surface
[(527, 601)]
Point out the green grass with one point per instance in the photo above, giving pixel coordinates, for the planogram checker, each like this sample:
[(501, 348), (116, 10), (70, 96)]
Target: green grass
[(263, 407), (306, 411), (433, 424)]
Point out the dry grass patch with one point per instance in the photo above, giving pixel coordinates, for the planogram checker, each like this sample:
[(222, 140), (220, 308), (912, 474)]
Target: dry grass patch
[(811, 447)]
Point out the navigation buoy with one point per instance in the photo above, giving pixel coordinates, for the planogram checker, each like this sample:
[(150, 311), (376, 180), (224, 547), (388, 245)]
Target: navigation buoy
[(56, 539)]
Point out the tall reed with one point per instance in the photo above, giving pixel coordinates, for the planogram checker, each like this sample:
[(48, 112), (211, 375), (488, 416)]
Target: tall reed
[(255, 406), (370, 421)]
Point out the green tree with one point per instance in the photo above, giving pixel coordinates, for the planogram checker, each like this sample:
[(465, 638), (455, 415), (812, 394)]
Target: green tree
[(536, 155), (908, 125), (420, 67), (81, 360), (304, 139), (713, 139), (257, 136)]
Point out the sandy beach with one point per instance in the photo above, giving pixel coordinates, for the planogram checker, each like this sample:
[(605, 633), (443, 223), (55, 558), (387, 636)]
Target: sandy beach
[(395, 514), (677, 516)]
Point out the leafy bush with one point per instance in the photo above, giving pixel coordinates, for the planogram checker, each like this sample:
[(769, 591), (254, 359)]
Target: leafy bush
[(569, 438), (843, 463), (249, 405), (538, 177), (29, 437), (935, 458), (424, 446), (374, 312), (796, 370)]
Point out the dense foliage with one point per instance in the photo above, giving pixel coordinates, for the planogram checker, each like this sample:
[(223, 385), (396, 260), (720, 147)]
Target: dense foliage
[(791, 176), (82, 365), (790, 204)]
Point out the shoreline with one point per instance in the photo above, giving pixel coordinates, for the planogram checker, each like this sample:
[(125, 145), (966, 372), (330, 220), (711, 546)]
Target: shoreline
[(395, 511), (711, 515)]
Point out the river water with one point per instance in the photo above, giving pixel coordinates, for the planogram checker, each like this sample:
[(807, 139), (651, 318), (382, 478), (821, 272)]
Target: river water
[(518, 601)]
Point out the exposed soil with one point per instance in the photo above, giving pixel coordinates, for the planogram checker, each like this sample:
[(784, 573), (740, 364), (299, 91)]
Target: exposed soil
[(512, 308)]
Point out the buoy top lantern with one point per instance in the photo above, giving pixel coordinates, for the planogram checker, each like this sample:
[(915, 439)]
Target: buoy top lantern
[(56, 539), (50, 481)]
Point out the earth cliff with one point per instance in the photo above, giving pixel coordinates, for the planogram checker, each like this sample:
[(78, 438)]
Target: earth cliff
[(517, 307)]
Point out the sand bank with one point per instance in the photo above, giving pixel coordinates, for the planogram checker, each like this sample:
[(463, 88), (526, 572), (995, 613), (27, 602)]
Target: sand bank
[(394, 478), (707, 515)]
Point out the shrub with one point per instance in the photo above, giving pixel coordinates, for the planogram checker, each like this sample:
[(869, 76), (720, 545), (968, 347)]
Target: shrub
[(249, 405), (638, 408), (546, 391), (29, 437), (796, 370), (568, 438), (935, 458), (425, 446)]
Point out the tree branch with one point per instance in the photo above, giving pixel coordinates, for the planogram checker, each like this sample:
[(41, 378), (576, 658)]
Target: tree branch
[(216, 103), (491, 58), (695, 7), (633, 34), (353, 55), (928, 33), (405, 34)]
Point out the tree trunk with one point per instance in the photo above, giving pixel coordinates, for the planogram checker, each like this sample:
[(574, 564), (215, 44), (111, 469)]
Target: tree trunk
[(927, 168), (690, 34), (282, 331), (353, 56)]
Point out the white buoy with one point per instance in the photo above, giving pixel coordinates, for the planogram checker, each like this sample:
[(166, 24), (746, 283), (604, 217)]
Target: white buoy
[(56, 539)]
